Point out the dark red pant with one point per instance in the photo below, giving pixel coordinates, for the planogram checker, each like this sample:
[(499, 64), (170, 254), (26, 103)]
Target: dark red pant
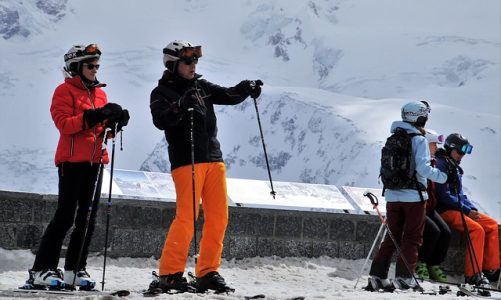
[(406, 222)]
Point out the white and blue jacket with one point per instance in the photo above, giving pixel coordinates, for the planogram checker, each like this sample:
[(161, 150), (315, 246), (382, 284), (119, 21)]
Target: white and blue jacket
[(424, 170)]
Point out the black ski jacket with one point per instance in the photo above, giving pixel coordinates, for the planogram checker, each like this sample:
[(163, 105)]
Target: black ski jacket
[(170, 117)]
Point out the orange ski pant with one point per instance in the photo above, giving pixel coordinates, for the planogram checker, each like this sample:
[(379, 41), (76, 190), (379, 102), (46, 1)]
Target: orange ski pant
[(210, 185), (484, 238)]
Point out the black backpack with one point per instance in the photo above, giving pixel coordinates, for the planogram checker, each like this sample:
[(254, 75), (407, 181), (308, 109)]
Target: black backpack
[(398, 169)]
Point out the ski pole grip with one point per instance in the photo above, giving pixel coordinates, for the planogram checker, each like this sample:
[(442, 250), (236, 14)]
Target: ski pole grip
[(372, 198)]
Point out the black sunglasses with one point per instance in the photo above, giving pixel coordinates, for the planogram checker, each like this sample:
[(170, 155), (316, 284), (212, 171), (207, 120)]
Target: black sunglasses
[(92, 66), (189, 60)]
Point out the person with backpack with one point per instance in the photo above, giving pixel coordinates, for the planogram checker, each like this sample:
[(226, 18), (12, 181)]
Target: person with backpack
[(436, 234), (81, 112), (182, 105), (405, 166), (481, 266)]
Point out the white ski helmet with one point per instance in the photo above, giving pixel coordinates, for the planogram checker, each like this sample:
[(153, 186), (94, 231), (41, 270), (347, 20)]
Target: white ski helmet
[(416, 112), (79, 53), (176, 50)]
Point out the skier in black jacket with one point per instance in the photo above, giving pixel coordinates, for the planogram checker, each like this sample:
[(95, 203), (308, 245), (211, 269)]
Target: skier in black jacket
[(181, 94)]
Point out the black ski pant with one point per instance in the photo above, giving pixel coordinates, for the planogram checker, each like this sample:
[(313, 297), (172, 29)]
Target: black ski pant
[(436, 239), (76, 185), (406, 222)]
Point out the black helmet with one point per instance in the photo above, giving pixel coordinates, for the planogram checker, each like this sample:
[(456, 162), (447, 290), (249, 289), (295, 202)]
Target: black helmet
[(458, 142)]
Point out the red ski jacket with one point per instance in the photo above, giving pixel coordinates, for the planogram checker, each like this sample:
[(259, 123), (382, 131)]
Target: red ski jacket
[(77, 142)]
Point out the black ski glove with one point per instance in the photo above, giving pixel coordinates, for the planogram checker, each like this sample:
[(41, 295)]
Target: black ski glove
[(249, 88), (121, 121), (98, 115), (188, 100)]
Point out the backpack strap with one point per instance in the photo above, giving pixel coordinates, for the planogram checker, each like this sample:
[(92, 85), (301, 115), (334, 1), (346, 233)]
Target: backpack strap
[(414, 176)]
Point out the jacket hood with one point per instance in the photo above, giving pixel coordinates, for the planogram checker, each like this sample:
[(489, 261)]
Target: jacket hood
[(404, 125)]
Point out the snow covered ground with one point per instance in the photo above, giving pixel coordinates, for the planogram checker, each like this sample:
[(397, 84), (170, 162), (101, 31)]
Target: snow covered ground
[(277, 278)]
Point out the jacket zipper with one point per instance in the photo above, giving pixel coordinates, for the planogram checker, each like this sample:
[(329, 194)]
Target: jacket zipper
[(95, 128), (72, 145)]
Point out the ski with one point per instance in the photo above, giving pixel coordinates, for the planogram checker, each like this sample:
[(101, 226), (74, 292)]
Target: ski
[(464, 291), (24, 292), (456, 284)]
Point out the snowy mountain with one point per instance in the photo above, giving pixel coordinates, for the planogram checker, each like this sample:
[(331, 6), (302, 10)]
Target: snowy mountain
[(336, 74)]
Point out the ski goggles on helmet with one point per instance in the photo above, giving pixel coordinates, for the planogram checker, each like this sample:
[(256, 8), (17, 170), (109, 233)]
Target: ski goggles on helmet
[(186, 54), (91, 50), (465, 149), (189, 55), (428, 108)]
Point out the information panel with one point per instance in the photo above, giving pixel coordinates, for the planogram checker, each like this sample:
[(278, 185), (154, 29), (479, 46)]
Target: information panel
[(289, 195), (140, 185)]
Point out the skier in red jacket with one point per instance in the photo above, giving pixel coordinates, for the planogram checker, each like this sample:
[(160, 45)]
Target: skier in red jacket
[(81, 113)]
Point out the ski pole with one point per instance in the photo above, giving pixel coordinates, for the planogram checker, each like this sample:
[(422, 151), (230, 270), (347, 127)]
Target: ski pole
[(93, 201), (473, 256), (375, 202), (192, 142), (499, 280), (370, 252), (470, 249), (108, 204), (253, 85)]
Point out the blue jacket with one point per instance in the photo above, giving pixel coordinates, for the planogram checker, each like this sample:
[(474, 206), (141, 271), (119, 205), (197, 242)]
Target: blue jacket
[(447, 198), (422, 160)]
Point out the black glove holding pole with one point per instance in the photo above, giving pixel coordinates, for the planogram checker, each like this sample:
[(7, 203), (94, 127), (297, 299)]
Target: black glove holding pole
[(249, 88), (98, 115), (121, 121), (188, 99)]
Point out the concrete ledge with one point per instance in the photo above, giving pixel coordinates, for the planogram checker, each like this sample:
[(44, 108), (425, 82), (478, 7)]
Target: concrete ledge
[(138, 229)]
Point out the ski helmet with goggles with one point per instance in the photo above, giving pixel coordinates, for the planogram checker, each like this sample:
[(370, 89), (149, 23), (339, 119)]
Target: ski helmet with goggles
[(459, 143), (78, 54), (180, 50), (416, 113)]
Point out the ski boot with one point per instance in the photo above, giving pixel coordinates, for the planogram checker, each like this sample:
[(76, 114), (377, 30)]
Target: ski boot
[(377, 284), (41, 280), (437, 274), (82, 280), (422, 271), (492, 275), (153, 289), (175, 283), (479, 281), (212, 281), (405, 283)]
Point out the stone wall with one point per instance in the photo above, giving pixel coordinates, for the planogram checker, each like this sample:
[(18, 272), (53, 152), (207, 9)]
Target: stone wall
[(138, 228)]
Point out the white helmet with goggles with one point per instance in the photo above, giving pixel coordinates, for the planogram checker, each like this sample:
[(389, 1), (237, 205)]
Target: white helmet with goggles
[(78, 54), (180, 50), (416, 112)]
